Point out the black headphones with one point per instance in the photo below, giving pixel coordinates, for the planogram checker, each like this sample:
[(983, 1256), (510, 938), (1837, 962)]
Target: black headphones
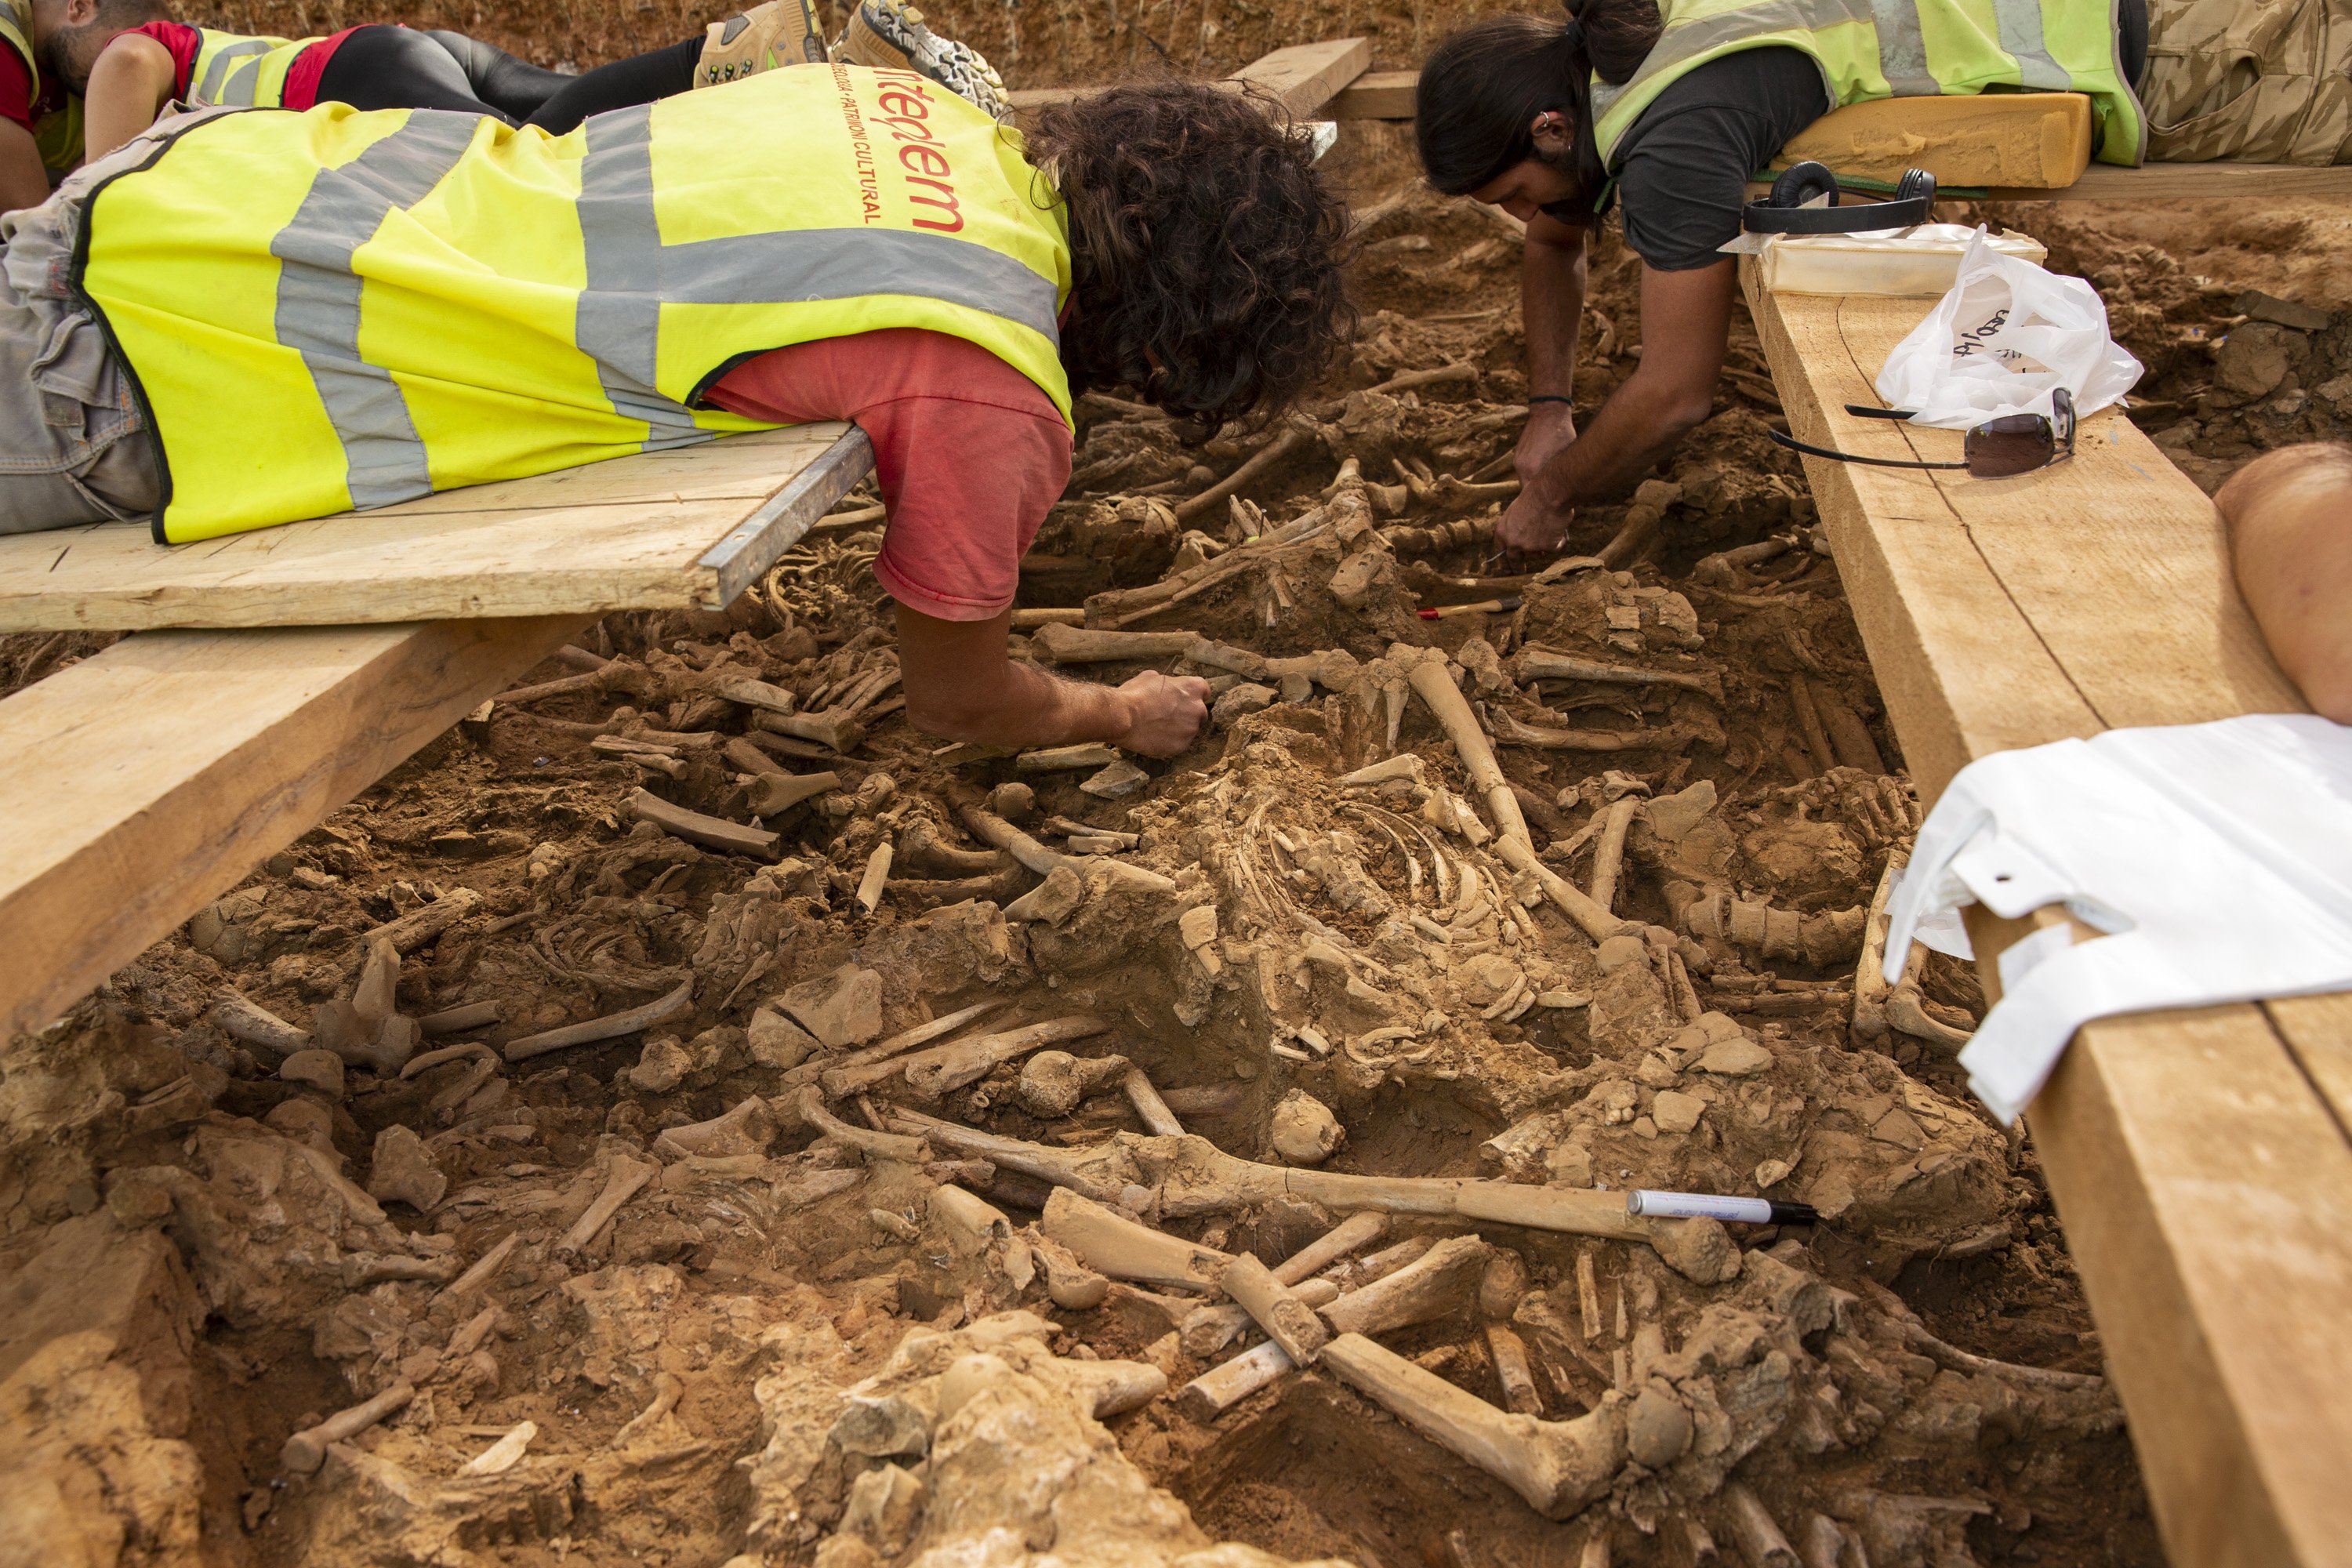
[(1785, 212)]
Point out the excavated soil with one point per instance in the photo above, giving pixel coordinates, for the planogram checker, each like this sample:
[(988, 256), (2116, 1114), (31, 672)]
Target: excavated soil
[(726, 1285)]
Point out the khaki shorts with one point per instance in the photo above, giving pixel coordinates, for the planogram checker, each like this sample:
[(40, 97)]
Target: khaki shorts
[(73, 443), (2263, 81)]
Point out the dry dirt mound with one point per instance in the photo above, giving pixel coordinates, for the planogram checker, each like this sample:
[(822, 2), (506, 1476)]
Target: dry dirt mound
[(689, 1116)]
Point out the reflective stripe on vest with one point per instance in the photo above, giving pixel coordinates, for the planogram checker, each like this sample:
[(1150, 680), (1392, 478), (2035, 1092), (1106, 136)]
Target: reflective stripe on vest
[(240, 72), (1893, 49), (334, 308)]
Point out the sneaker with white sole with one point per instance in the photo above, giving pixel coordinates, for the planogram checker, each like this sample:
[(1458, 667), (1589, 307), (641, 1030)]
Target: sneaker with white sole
[(780, 33), (889, 35)]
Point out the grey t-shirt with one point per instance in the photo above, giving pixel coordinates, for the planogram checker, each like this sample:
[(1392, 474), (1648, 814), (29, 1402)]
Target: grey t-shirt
[(1683, 167)]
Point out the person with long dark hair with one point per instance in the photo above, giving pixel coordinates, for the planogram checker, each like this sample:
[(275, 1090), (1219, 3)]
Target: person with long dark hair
[(1667, 118)]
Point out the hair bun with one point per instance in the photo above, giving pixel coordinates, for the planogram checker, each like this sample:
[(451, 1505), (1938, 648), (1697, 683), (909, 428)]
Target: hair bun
[(1571, 36)]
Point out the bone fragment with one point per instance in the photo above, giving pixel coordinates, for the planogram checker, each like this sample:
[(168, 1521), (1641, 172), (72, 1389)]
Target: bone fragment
[(749, 1122), (773, 793), (905, 1040), (668, 1388), (1760, 1541), (1558, 1467), (1074, 645), (836, 731), (1441, 1281), (1588, 1295), (943, 1068), (1351, 1235), (612, 1027), (877, 873), (1405, 765), (1116, 1388), (1829, 1545), (1205, 1331), (1870, 985), (626, 1178), (1431, 677), (1288, 1321), (1904, 1010), (1512, 1370), (1226, 1385), (1219, 1389), (1596, 1549), (1608, 855), (306, 1450), (503, 1454), (1065, 759), (1156, 1117), (1537, 663), (1809, 724), (1111, 1244), (417, 927), (249, 1021), (1542, 738), (880, 1145), (994, 829), (755, 694), (458, 1020), (1071, 1284), (696, 828), (1053, 1083), (1273, 452), (1030, 620), (485, 1269), (1598, 922)]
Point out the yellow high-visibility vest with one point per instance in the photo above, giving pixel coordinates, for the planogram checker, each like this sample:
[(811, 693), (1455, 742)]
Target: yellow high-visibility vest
[(242, 70), (1895, 48), (56, 134), (335, 308)]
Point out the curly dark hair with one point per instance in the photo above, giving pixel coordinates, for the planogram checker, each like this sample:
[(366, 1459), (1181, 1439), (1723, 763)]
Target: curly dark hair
[(1206, 249)]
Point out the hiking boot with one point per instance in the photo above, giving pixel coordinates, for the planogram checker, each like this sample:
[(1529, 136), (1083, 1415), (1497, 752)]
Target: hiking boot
[(780, 33), (889, 35)]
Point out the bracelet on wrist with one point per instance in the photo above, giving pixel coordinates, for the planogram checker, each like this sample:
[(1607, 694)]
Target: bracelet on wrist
[(1550, 398)]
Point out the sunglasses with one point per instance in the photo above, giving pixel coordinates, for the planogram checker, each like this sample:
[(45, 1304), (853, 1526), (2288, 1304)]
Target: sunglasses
[(1997, 449)]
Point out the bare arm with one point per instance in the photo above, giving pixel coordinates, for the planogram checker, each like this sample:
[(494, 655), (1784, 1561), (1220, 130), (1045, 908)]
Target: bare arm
[(23, 182), (961, 684), (1686, 321), (128, 87), (1551, 307), (2290, 519)]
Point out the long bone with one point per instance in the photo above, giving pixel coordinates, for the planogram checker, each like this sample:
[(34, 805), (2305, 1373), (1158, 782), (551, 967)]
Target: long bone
[(1537, 663), (1431, 677), (994, 830), (1558, 1466), (942, 1068)]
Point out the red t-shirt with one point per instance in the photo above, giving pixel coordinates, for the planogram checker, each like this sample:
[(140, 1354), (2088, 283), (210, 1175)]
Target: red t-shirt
[(183, 41), (16, 88), (970, 452)]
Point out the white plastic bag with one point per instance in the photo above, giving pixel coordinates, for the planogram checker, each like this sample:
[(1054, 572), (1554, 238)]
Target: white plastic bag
[(2005, 337)]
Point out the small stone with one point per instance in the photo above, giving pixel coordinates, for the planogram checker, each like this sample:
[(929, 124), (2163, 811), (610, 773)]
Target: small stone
[(1673, 816), (1116, 782), (305, 1121), (1303, 1130), (884, 1506), (881, 1429), (1657, 1428), (1898, 1128), (1619, 951), (1697, 1250), (1771, 1174), (1013, 802), (1198, 925), (2255, 358), (1239, 702), (1503, 1286), (136, 1197), (1571, 1165), (1677, 1112), (661, 1066), (1051, 901), (322, 1070), (1733, 1058), (402, 1169), (2291, 313), (777, 1042), (843, 1008)]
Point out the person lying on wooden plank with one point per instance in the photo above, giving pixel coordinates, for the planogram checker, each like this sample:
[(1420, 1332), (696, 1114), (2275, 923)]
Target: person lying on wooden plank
[(1555, 120), (243, 318), (80, 77), (2290, 519)]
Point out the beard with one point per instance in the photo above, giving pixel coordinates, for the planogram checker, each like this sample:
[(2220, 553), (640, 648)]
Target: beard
[(69, 53)]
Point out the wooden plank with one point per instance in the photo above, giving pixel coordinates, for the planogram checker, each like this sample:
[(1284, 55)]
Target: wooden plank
[(143, 783), (2318, 1030), (1307, 78), (663, 530), (2204, 1183), (2222, 180), (1376, 95), (1305, 75), (2037, 139)]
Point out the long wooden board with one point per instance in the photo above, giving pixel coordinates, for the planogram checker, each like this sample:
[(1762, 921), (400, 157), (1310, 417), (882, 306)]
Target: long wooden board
[(142, 784), (1387, 95), (2203, 1175), (1307, 78), (665, 529)]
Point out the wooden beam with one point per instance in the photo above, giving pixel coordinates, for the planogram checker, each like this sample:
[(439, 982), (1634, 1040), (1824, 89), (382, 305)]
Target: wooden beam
[(695, 525), (143, 783), (1376, 95), (2204, 1177), (1310, 78)]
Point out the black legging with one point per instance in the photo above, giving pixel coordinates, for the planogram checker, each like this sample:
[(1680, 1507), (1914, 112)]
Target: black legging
[(624, 84), (388, 66)]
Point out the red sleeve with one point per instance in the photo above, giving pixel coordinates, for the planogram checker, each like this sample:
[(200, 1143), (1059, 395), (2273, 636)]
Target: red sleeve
[(16, 88), (971, 454), (183, 41)]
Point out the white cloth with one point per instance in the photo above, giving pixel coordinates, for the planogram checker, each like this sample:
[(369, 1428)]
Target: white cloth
[(2217, 858)]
